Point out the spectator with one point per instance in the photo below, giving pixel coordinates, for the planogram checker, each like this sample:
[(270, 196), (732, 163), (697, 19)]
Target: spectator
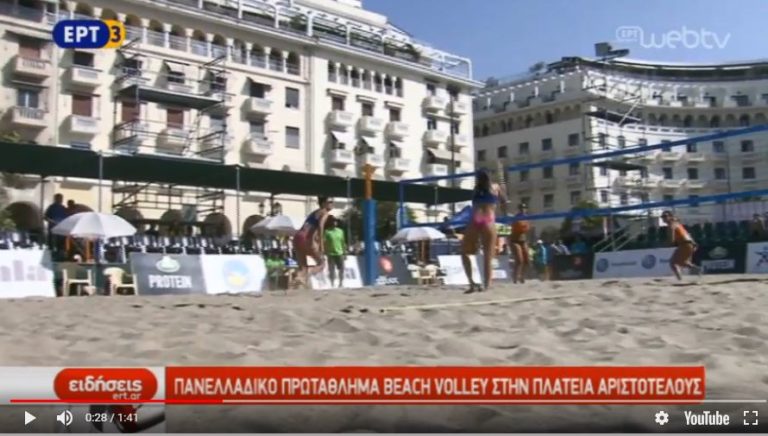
[(71, 207), (560, 248), (757, 228), (579, 246), (334, 250), (55, 213), (152, 231), (541, 260)]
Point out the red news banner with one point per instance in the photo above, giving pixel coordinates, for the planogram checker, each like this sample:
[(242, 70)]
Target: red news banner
[(435, 385)]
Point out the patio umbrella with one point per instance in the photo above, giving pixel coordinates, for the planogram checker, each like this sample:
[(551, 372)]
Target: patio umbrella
[(414, 234), (279, 225), (94, 225)]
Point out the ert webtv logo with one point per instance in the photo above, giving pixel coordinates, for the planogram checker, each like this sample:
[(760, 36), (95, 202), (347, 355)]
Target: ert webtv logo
[(89, 34)]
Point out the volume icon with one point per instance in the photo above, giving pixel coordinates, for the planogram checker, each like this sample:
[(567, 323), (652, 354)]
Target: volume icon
[(65, 418)]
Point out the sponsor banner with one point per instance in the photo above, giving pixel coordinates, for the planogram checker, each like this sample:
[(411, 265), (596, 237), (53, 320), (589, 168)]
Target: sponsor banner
[(652, 262), (232, 273), (757, 258), (352, 275), (454, 270), (167, 274), (434, 385), (26, 273), (393, 270), (572, 267), (722, 258)]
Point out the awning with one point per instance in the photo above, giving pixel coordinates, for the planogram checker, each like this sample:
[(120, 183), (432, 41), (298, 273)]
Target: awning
[(345, 138), (373, 143), (398, 144), (443, 154), (174, 67)]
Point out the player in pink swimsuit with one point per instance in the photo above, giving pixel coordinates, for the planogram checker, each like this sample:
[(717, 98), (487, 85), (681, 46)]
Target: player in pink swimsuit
[(306, 242)]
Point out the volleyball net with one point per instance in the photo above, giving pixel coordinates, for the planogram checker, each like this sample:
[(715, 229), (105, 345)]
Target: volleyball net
[(714, 177)]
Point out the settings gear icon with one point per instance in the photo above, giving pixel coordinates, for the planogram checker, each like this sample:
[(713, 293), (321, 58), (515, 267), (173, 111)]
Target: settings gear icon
[(662, 418)]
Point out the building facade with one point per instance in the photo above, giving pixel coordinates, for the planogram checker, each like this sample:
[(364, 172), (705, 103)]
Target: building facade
[(315, 86), (580, 106)]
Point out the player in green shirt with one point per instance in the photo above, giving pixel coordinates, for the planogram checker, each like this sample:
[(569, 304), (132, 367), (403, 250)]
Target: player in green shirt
[(335, 249)]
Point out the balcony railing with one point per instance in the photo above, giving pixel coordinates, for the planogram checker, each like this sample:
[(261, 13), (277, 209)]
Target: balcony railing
[(436, 170), (435, 103), (83, 124), (341, 157), (397, 129), (342, 119), (259, 145), (82, 75), (371, 124), (435, 136), (373, 160), (258, 105), (32, 67), (398, 164), (28, 116)]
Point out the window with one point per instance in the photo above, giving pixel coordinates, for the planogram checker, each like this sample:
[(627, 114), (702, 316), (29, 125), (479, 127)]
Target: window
[(747, 146), (176, 76), (217, 123), (82, 59), (292, 98), (30, 48), (337, 103), (575, 197), (549, 201), (622, 142), (257, 128), (744, 121), (642, 142), (573, 169), (331, 72), (26, 97), (131, 66), (174, 117), (258, 90), (394, 115), (718, 147), (665, 147), (691, 147), (693, 173), (740, 100), (524, 175), (720, 174), (431, 124), (501, 151), (714, 121), (623, 173), (548, 172), (573, 139), (523, 148), (604, 196), (396, 152), (292, 139), (129, 111), (548, 118), (668, 174), (525, 200), (431, 89), (80, 145), (603, 171), (481, 155), (367, 109), (546, 144), (748, 173), (455, 125), (602, 140), (624, 199), (668, 197)]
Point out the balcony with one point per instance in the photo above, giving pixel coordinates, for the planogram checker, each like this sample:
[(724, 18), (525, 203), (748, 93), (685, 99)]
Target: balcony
[(434, 103), (173, 137), (29, 117), (575, 180), (545, 155), (753, 184), (341, 157), (718, 184), (435, 137), (371, 124), (521, 158), (259, 145), (398, 165), (573, 151), (695, 184), (341, 119), (670, 156), (459, 108), (460, 140), (670, 183), (650, 183), (695, 157), (750, 156), (373, 160), (524, 185), (547, 184), (83, 125), (436, 170), (40, 68), (182, 88), (258, 106), (627, 182), (84, 76), (397, 129)]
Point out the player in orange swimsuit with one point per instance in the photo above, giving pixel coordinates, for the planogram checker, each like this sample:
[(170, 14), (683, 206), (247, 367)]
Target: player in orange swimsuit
[(518, 241), (684, 244)]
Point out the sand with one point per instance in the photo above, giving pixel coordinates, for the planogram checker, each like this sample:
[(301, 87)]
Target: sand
[(718, 321)]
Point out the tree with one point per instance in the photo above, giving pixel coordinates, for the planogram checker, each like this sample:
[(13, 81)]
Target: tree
[(588, 224), (6, 222), (386, 220), (537, 67)]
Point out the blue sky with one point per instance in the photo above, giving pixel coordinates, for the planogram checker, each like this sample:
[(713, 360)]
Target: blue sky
[(507, 36)]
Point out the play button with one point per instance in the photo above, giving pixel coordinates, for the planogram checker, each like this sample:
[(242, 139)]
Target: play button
[(28, 417)]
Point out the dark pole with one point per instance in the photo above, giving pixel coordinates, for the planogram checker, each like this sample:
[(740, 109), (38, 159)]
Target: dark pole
[(453, 153)]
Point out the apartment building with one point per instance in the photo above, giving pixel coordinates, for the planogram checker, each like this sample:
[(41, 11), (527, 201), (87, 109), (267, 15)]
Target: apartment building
[(580, 106), (315, 86)]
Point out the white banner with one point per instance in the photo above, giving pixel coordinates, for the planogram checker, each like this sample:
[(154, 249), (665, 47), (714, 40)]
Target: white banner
[(352, 275), (233, 273), (757, 258), (26, 273), (652, 262), (454, 270)]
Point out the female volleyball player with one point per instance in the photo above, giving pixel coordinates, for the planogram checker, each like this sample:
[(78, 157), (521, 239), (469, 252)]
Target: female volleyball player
[(685, 246), (519, 243), (306, 244), (482, 229)]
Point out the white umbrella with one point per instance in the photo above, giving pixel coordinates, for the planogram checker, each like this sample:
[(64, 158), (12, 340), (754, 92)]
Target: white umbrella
[(413, 234), (279, 225), (94, 225)]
